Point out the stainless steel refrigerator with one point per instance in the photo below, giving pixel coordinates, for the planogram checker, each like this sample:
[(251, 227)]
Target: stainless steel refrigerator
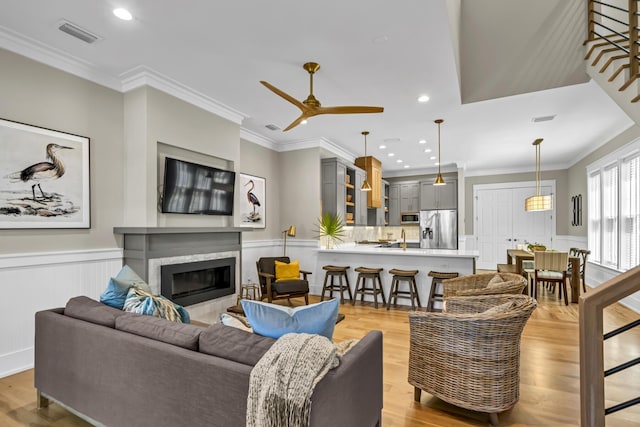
[(439, 229)]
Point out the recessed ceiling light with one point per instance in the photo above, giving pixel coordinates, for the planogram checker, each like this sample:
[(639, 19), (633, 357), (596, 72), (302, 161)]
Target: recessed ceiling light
[(382, 147), (304, 122), (423, 98), (123, 14), (432, 158), (399, 161), (427, 150), (437, 163), (391, 154), (406, 166), (422, 141)]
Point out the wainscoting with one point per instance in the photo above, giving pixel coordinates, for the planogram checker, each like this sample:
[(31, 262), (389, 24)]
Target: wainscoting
[(39, 281), (33, 282)]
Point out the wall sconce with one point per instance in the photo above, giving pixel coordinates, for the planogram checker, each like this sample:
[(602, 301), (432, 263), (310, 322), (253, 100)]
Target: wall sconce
[(291, 232)]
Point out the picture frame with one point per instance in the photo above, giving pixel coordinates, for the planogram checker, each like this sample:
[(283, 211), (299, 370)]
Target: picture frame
[(253, 202), (44, 178)]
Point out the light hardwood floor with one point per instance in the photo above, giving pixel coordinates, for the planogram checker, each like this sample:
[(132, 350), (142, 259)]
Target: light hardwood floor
[(549, 391)]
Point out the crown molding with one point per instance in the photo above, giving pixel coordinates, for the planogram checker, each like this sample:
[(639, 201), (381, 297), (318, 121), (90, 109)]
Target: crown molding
[(144, 76), (256, 138), (420, 171), (487, 172), (40, 52)]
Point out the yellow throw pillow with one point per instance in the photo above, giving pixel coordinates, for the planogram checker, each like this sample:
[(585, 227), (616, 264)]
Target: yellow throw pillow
[(286, 271)]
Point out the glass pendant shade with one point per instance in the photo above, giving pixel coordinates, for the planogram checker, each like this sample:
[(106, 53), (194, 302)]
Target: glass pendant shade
[(538, 202)]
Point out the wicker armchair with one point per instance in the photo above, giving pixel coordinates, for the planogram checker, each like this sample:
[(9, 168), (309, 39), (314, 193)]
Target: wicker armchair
[(476, 284), (469, 358)]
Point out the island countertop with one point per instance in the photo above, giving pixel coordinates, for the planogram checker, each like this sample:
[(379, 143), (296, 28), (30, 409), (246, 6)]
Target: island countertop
[(354, 255), (375, 250)]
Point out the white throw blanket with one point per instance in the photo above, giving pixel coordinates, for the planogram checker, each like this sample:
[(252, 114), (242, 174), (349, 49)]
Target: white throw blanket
[(283, 380)]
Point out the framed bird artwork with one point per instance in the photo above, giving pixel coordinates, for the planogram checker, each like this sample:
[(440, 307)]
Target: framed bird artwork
[(44, 178), (253, 203)]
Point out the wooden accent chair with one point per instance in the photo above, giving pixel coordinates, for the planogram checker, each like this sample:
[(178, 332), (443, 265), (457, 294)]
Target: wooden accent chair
[(468, 357), (476, 284), (274, 290), (551, 267)]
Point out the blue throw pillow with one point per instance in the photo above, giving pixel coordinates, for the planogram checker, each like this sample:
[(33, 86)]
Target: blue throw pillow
[(272, 320), (142, 302), (119, 286)]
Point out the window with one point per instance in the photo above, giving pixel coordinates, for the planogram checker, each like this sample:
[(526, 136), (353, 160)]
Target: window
[(614, 209)]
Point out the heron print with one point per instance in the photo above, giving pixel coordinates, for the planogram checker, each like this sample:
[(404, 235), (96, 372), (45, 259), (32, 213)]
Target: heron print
[(44, 178), (252, 204)]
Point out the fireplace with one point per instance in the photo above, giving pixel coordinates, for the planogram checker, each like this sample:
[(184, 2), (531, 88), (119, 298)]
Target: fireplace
[(193, 282)]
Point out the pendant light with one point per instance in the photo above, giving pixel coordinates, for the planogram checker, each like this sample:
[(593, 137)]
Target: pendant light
[(365, 185), (439, 180), (538, 202)]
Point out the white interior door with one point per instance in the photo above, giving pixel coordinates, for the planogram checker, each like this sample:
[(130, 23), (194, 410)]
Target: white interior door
[(500, 221), (494, 225)]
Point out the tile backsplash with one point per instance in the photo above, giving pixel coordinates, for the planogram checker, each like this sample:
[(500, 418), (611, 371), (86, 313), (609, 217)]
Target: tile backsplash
[(356, 234)]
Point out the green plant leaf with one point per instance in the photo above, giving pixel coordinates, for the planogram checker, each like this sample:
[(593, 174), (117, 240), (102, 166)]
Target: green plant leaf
[(331, 226)]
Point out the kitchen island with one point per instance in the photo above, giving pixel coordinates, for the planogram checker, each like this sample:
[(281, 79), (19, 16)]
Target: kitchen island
[(424, 260)]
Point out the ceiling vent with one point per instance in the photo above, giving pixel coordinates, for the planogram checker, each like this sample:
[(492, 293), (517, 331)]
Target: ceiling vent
[(272, 127), (543, 119), (77, 32)]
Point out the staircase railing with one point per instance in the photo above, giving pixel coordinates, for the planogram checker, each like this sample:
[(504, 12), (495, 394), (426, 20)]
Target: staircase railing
[(592, 372), (617, 25)]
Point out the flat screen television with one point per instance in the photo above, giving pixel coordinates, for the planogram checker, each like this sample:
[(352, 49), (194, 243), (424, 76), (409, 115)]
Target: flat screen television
[(191, 188)]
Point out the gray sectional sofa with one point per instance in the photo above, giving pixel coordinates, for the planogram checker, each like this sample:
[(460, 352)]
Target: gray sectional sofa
[(121, 369)]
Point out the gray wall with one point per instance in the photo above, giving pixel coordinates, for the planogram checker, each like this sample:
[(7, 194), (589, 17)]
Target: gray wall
[(259, 161), (300, 191), (39, 95)]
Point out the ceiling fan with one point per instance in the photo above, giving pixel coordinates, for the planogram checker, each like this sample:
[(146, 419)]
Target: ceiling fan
[(311, 106)]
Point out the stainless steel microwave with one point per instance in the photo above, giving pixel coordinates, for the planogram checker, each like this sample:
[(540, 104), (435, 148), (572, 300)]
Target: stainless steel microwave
[(409, 217)]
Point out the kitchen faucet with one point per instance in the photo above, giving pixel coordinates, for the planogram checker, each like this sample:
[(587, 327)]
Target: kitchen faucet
[(404, 240)]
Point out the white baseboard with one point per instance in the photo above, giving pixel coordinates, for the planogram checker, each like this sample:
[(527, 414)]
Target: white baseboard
[(18, 361)]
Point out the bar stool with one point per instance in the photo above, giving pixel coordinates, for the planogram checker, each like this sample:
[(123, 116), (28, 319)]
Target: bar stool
[(435, 294), (365, 273), (339, 272), (408, 276)]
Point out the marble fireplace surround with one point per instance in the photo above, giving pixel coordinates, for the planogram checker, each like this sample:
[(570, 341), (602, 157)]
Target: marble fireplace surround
[(146, 249)]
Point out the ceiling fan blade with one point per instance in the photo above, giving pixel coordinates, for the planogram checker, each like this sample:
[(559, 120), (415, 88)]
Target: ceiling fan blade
[(284, 95), (296, 122), (349, 110)]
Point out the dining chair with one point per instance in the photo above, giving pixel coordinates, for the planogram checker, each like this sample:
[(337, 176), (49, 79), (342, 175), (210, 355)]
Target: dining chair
[(551, 267), (583, 254)]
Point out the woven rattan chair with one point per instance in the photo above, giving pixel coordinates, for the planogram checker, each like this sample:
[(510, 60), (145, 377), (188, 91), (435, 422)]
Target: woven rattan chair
[(476, 284), (469, 358)]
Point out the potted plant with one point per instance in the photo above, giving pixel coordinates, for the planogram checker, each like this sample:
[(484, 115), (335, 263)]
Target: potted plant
[(331, 227)]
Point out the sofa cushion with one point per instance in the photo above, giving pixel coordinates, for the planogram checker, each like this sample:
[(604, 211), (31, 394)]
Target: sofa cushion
[(234, 344), (273, 320), (118, 286), (179, 334), (87, 309), (142, 302)]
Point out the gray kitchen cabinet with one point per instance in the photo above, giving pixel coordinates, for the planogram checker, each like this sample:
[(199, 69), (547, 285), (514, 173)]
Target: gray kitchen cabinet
[(409, 197), (341, 193), (439, 196), (394, 204), (380, 216)]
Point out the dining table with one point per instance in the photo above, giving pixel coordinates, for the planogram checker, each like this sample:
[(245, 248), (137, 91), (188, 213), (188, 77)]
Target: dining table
[(516, 256)]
